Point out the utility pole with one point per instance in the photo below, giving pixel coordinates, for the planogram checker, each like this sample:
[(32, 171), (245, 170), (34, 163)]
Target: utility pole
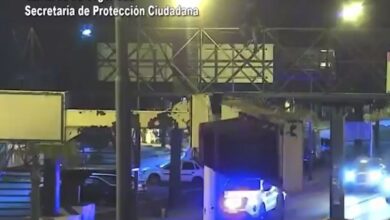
[(175, 167), (337, 150), (125, 199)]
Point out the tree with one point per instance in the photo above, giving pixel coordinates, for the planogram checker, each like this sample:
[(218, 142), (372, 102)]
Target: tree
[(163, 122)]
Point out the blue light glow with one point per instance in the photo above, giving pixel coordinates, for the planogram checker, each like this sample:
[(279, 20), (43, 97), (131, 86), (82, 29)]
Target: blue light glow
[(233, 203), (386, 185), (57, 191), (350, 176), (86, 31)]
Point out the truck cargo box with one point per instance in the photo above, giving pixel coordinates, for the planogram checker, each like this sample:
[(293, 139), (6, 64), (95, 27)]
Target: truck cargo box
[(242, 147)]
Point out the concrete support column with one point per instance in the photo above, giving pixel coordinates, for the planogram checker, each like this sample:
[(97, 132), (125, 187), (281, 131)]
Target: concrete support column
[(51, 197), (200, 113), (209, 195), (375, 140), (292, 156), (213, 187), (337, 157)]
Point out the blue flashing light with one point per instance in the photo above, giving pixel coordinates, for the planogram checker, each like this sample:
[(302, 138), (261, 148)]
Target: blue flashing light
[(350, 176), (57, 201), (386, 185), (233, 203), (86, 31)]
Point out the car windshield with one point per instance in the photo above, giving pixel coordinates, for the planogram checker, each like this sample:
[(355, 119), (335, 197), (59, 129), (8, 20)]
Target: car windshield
[(110, 179), (364, 164), (247, 184)]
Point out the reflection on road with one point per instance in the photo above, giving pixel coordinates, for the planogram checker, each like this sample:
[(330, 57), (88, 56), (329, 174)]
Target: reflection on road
[(366, 207)]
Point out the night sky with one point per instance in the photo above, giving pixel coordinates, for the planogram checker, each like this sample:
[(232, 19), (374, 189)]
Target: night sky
[(68, 63)]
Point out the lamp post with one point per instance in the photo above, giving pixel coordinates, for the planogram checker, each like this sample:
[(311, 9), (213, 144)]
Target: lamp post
[(352, 12)]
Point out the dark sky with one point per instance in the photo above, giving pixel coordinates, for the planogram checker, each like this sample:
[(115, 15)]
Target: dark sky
[(72, 59)]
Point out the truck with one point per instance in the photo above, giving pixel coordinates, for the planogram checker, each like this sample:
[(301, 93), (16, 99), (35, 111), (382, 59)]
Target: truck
[(241, 160)]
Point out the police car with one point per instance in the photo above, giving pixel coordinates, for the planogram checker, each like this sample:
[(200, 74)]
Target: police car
[(251, 198), (385, 189), (191, 172), (101, 188), (365, 174)]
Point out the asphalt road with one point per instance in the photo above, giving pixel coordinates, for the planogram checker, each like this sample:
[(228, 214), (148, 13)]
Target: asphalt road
[(312, 206), (366, 207), (315, 205)]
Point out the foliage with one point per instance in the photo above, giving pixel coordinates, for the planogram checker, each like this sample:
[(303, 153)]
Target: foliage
[(96, 137), (163, 120)]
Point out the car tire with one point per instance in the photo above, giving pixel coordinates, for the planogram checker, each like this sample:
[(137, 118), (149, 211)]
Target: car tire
[(262, 212), (197, 181), (154, 179)]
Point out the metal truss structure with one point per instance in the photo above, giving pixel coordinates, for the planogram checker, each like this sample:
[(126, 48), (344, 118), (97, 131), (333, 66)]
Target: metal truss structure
[(203, 59), (224, 60)]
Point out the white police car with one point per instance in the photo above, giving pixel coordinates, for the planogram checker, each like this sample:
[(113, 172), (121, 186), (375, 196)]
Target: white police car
[(365, 174), (385, 189), (251, 198), (190, 172)]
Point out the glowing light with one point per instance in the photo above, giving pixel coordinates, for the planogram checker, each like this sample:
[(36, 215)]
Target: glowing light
[(287, 104), (86, 31), (352, 12), (189, 3), (350, 176), (375, 176), (233, 203), (363, 161), (148, 137), (386, 185)]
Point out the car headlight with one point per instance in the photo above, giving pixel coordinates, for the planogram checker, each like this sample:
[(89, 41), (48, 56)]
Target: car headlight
[(386, 185), (233, 203), (350, 176), (375, 176)]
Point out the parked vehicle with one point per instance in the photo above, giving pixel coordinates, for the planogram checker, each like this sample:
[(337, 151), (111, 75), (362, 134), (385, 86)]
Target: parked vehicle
[(385, 189), (191, 171), (101, 188), (252, 198), (365, 174)]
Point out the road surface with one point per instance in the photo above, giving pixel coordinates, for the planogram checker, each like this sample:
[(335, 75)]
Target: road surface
[(366, 207)]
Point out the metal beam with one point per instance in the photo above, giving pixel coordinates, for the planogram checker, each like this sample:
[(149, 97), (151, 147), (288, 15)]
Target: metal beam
[(337, 152), (312, 97)]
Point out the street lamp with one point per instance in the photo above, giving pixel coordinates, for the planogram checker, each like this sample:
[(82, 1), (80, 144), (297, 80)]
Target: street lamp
[(86, 31), (352, 12)]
